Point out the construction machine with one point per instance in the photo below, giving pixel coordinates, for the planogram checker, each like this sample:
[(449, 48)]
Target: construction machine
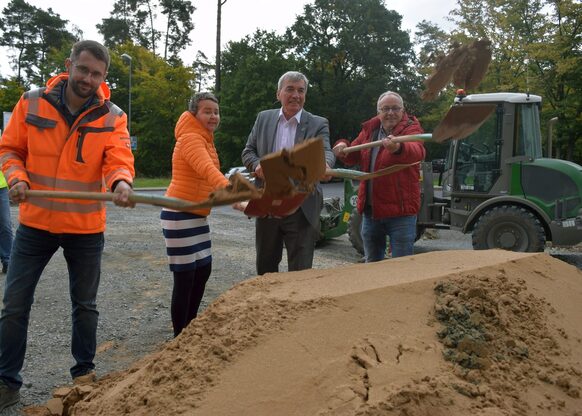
[(498, 186)]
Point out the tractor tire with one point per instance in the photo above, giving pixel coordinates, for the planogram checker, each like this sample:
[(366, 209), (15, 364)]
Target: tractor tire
[(511, 228), (355, 231)]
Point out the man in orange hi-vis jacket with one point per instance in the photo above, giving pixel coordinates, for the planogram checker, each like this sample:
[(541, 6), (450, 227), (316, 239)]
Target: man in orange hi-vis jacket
[(66, 136)]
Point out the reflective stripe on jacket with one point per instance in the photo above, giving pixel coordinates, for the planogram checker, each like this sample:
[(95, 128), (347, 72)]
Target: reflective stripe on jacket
[(39, 147)]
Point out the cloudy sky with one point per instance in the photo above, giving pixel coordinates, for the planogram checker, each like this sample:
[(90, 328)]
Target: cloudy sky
[(239, 18)]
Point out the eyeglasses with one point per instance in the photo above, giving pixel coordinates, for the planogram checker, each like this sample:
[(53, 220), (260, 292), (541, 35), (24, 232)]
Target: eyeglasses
[(84, 71), (386, 110)]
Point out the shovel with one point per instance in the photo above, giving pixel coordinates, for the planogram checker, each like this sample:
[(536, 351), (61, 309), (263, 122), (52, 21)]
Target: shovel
[(459, 122), (157, 200)]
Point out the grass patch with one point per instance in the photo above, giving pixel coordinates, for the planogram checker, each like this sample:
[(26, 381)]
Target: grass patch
[(151, 182)]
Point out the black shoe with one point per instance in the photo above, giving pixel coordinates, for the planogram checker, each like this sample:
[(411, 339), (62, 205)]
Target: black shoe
[(4, 268), (8, 396)]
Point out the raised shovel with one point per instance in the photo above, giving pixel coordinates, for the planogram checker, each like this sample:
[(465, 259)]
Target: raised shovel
[(459, 122)]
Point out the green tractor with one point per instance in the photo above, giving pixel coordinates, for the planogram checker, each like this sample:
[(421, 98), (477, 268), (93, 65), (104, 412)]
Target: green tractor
[(497, 185), (340, 216)]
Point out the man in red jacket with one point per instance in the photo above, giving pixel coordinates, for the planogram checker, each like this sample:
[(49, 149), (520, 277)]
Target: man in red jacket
[(389, 203)]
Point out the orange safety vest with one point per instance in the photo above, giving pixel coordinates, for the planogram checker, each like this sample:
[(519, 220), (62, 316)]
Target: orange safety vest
[(39, 147)]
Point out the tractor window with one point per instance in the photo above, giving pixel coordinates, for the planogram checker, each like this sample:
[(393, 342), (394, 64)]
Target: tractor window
[(528, 140), (478, 157)]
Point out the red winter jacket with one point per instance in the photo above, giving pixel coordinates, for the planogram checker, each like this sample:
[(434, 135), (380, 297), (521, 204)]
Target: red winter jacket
[(396, 194)]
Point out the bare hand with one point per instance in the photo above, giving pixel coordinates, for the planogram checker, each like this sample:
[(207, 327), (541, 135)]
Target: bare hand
[(390, 145), (121, 195), (18, 192), (259, 172), (240, 206), (338, 149), (326, 178)]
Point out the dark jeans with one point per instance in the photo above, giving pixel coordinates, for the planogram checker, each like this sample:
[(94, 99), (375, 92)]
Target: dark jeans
[(187, 295), (295, 232), (31, 251), (400, 230), (5, 226)]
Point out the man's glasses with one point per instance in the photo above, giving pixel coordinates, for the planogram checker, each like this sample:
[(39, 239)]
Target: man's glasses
[(386, 110), (84, 71)]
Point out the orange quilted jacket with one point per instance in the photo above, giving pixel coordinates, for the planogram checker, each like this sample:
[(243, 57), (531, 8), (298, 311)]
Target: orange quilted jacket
[(195, 164)]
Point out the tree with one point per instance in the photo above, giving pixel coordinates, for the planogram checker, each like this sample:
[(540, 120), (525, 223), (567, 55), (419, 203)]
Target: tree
[(536, 47), (135, 20), (217, 86), (34, 35), (178, 26), (352, 52), (160, 93), (10, 92), (251, 69)]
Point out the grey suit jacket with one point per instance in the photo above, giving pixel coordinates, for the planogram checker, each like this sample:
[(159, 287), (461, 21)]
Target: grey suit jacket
[(261, 142)]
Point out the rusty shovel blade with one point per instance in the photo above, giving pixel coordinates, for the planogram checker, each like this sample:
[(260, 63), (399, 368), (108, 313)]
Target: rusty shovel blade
[(461, 121)]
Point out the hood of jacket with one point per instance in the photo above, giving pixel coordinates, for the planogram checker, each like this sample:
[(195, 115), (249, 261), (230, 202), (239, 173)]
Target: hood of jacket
[(188, 123), (103, 92)]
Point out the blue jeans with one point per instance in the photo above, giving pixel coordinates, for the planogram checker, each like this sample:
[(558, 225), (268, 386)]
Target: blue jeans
[(5, 227), (31, 251), (400, 230)]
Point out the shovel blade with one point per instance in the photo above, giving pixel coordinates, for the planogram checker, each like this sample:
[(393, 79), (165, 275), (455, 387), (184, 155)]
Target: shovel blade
[(461, 121)]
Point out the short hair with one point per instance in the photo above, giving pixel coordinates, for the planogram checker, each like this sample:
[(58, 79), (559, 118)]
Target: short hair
[(292, 76), (201, 96), (94, 48), (387, 93)]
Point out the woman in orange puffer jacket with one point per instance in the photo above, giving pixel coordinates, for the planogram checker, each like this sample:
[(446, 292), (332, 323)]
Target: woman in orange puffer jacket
[(195, 174)]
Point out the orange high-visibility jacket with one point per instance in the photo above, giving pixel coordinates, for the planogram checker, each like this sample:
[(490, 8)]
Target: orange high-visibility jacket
[(195, 164), (39, 147)]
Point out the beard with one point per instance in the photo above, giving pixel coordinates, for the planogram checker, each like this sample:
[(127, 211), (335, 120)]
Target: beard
[(77, 85)]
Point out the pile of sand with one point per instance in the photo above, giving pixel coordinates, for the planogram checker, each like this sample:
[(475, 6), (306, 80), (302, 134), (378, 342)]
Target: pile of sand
[(455, 333)]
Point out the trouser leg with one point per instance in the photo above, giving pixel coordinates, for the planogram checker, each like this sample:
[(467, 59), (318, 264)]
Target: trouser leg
[(269, 245), (31, 251), (6, 235), (299, 237), (402, 232), (83, 254), (374, 238), (187, 295)]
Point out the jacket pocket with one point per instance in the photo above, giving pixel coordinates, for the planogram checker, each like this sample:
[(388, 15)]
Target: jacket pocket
[(40, 122)]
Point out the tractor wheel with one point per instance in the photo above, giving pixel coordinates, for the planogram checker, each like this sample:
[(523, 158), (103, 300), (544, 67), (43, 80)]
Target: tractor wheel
[(510, 228), (355, 231)]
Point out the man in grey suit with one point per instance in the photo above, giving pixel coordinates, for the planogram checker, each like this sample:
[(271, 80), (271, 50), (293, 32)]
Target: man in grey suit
[(273, 131)]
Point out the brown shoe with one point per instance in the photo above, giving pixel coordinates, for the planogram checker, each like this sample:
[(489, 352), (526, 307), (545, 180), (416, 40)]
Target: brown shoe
[(85, 379)]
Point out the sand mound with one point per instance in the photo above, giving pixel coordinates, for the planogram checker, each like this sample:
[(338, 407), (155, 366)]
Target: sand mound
[(456, 333)]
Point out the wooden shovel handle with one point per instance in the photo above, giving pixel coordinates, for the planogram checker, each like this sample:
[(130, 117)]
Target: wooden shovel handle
[(157, 200), (400, 139)]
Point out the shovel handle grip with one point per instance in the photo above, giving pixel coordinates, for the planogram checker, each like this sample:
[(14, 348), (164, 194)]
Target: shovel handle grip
[(399, 139)]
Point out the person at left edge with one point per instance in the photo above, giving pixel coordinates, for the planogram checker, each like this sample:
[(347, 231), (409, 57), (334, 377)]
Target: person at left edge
[(67, 136), (6, 234)]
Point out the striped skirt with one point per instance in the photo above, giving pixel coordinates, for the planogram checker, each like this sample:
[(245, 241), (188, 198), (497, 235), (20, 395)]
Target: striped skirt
[(187, 240)]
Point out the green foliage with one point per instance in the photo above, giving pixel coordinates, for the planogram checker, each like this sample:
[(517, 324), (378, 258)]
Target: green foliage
[(133, 21), (143, 182), (351, 53), (35, 37), (250, 71), (160, 93), (10, 92)]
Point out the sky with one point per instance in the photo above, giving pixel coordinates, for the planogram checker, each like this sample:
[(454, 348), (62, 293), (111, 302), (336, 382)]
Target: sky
[(239, 18)]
